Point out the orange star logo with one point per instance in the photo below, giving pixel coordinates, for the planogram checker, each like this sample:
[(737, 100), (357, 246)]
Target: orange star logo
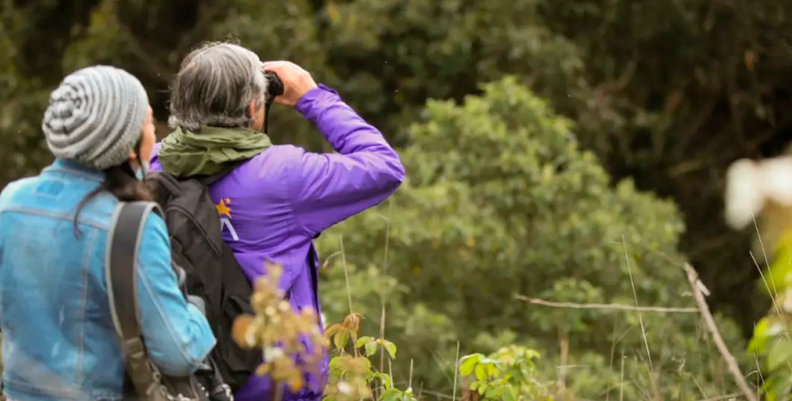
[(223, 209)]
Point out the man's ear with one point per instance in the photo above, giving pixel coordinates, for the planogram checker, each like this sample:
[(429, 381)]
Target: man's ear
[(251, 109), (254, 107)]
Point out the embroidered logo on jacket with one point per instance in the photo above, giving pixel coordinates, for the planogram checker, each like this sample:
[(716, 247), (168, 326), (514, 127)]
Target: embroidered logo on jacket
[(224, 211)]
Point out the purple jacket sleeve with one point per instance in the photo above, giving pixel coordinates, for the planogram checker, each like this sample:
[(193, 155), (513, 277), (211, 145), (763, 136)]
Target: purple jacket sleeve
[(328, 188)]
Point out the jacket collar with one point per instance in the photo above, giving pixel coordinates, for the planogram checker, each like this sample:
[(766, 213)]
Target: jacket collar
[(74, 168)]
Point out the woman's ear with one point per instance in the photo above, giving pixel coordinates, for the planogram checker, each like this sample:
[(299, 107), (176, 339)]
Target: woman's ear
[(133, 158)]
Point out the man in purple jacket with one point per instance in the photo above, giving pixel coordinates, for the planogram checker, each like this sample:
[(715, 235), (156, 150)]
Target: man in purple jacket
[(279, 198)]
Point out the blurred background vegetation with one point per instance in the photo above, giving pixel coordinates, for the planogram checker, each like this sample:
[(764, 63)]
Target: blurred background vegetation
[(554, 149)]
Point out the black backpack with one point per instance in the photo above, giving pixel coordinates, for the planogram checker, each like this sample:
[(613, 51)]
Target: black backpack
[(211, 269), (143, 381)]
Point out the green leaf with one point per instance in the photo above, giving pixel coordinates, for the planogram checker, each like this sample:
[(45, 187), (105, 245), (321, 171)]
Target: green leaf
[(780, 353), (391, 394), (371, 348), (468, 363), (483, 389), (481, 372), (390, 347), (491, 370), (362, 341), (759, 338), (385, 379), (341, 338)]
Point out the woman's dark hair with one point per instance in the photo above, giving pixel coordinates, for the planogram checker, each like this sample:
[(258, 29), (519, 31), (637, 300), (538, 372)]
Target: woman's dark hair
[(121, 182)]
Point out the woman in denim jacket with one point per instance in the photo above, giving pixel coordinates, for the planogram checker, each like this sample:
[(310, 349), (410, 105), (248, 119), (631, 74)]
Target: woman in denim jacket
[(59, 342)]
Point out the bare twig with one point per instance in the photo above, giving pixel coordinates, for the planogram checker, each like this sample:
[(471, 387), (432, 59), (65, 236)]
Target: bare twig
[(348, 288), (385, 301), (698, 386), (441, 363), (764, 252), (409, 385), (635, 296), (329, 258), (760, 376), (734, 369), (387, 235), (563, 342), (637, 381), (722, 397), (770, 290), (613, 352), (346, 273), (385, 269), (456, 373), (438, 395), (605, 307), (621, 382), (382, 336), (773, 291), (652, 377)]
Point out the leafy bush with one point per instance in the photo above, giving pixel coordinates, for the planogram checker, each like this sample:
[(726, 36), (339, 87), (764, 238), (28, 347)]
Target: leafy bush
[(509, 375), (500, 200)]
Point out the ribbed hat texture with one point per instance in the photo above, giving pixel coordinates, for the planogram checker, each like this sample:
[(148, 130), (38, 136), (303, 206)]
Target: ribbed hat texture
[(95, 117)]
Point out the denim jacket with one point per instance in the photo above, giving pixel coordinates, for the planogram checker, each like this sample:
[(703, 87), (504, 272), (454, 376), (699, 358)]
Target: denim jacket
[(59, 342)]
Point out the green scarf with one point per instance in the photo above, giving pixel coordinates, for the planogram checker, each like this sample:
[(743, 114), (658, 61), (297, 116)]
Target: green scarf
[(185, 154)]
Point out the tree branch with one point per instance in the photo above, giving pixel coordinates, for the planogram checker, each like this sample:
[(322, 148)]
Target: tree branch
[(709, 321), (605, 307)]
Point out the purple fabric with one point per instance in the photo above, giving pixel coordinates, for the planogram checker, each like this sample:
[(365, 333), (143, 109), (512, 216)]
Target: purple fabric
[(272, 206)]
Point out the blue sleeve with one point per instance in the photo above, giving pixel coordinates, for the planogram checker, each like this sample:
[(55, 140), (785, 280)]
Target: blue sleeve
[(176, 334)]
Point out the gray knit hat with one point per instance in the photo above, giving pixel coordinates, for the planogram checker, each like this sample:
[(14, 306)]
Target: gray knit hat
[(95, 117)]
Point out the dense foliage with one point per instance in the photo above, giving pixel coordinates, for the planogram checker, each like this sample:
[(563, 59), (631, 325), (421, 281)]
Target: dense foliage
[(501, 200), (504, 196), (666, 92)]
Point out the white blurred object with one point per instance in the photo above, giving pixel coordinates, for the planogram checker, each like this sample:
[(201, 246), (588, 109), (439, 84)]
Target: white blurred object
[(750, 185)]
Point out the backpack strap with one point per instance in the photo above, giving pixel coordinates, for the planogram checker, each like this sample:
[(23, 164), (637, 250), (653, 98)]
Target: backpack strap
[(123, 242)]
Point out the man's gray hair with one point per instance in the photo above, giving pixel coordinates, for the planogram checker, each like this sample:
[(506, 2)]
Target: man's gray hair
[(215, 86)]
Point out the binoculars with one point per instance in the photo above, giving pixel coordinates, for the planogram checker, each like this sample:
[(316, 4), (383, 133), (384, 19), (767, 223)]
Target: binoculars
[(274, 85)]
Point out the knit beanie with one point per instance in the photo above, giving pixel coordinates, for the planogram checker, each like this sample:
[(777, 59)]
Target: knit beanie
[(95, 117)]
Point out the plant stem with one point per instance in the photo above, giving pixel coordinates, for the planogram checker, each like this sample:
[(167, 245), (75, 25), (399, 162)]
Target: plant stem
[(635, 296), (621, 382), (456, 373), (346, 273), (653, 379), (349, 292), (613, 352), (409, 382), (709, 321), (384, 300)]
